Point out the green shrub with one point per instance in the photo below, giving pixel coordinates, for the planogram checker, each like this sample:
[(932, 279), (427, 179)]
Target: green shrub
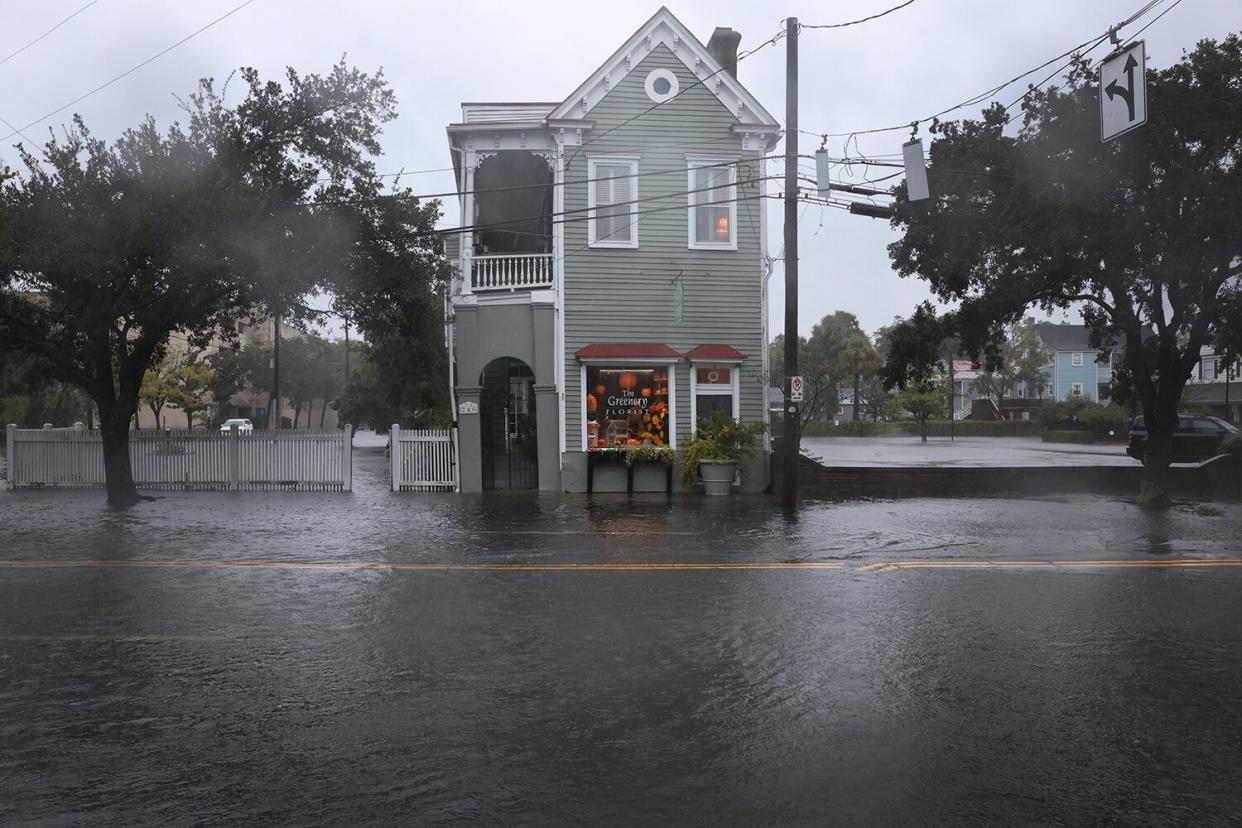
[(977, 428), (1054, 436), (1101, 421), (720, 438), (1232, 445), (847, 428)]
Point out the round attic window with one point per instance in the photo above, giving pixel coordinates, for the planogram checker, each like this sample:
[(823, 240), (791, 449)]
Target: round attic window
[(661, 84)]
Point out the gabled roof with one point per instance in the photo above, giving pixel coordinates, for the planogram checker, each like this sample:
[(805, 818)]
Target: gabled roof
[(664, 28), (1068, 337)]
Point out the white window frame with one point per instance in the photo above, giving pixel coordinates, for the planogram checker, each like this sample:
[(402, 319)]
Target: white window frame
[(631, 161), (1076, 389), (693, 163), (733, 388), (1076, 359)]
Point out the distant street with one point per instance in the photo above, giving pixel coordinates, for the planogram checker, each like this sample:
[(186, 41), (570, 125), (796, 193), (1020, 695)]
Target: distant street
[(525, 659)]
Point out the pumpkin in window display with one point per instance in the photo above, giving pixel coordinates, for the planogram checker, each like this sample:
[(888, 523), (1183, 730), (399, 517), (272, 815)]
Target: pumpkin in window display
[(601, 390), (627, 381), (645, 393)]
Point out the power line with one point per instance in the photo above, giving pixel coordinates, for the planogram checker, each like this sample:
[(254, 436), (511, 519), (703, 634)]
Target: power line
[(1092, 43), (854, 22), (12, 55), (680, 194), (130, 71), (551, 184)]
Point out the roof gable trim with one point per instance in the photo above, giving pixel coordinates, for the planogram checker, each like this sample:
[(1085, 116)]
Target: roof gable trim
[(665, 29)]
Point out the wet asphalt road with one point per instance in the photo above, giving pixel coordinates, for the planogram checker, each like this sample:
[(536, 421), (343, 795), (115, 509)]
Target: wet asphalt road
[(182, 684)]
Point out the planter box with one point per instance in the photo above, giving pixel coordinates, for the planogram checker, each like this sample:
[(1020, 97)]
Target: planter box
[(717, 477)]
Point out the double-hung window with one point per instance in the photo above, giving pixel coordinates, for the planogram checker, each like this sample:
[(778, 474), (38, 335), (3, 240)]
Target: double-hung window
[(713, 204), (612, 201)]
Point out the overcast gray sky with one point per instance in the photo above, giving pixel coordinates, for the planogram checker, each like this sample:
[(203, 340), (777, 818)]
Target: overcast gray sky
[(909, 64)]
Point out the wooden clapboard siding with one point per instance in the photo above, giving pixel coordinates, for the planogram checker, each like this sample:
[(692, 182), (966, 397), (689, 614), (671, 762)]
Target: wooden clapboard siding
[(627, 295)]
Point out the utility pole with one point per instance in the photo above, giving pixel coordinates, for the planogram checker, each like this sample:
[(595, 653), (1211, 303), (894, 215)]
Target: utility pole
[(789, 462), (274, 409), (347, 350)]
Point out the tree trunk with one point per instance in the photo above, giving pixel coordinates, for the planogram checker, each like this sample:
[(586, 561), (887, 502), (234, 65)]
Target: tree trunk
[(323, 412), (114, 430), (297, 414), (857, 382), (923, 429), (189, 420), (1156, 477)]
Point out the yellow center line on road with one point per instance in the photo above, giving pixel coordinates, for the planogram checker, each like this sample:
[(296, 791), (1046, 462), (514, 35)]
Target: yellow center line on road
[(416, 566)]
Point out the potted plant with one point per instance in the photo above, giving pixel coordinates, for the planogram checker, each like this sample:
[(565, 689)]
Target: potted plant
[(720, 447)]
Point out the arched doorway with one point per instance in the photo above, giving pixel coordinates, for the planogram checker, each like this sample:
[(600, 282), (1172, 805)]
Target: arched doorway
[(507, 425)]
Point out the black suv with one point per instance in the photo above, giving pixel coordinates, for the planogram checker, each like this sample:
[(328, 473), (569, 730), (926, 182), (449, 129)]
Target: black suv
[(1197, 438)]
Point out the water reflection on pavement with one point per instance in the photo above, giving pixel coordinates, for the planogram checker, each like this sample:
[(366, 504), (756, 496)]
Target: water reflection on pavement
[(696, 696)]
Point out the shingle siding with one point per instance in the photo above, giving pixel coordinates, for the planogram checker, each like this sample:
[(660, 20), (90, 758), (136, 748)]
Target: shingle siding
[(629, 295)]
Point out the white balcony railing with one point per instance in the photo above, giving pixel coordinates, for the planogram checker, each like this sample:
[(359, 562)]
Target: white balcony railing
[(511, 271)]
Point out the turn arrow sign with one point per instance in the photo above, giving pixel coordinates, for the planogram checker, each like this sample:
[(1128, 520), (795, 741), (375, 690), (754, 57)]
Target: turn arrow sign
[(1126, 92), (1123, 91)]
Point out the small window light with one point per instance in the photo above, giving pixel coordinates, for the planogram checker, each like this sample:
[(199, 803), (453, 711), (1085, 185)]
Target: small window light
[(722, 228)]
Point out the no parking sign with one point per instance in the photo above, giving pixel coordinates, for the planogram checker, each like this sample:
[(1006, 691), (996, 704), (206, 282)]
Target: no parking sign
[(795, 389)]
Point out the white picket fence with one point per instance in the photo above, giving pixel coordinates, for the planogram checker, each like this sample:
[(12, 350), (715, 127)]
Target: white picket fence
[(423, 460), (72, 458)]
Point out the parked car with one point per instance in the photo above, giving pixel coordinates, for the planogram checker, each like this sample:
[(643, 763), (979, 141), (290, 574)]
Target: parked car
[(243, 425), (1197, 438)]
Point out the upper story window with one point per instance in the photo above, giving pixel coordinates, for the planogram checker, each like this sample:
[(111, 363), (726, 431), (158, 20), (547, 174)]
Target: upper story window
[(612, 201), (713, 204), (1076, 359)]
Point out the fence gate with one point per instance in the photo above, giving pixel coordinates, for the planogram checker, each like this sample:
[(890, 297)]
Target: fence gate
[(423, 460)]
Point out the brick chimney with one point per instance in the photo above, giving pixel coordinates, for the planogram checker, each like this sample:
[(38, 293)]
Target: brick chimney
[(723, 47)]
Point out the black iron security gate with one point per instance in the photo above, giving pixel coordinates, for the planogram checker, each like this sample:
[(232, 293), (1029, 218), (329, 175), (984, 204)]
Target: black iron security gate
[(507, 424)]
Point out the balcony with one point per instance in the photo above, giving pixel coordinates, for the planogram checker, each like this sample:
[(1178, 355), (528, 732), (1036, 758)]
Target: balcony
[(510, 271), (512, 247)]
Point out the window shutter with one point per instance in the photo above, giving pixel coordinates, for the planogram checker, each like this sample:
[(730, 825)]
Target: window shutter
[(613, 194)]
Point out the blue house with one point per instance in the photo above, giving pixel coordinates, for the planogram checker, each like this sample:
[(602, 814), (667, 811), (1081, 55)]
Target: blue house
[(1077, 369)]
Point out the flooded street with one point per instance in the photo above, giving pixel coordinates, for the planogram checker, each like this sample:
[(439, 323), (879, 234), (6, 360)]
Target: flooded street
[(533, 659)]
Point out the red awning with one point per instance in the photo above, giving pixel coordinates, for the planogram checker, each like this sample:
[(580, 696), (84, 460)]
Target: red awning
[(719, 353), (628, 350)]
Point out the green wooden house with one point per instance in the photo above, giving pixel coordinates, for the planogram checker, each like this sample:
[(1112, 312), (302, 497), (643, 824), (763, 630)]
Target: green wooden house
[(611, 279)]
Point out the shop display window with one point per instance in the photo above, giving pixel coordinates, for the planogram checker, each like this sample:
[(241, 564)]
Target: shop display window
[(626, 406)]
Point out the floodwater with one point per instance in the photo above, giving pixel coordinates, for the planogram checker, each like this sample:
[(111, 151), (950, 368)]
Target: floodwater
[(215, 673)]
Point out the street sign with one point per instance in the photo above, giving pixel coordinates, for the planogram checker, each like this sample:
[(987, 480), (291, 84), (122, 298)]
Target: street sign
[(1123, 91), (795, 389)]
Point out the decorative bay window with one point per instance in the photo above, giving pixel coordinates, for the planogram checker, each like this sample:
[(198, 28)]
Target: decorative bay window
[(713, 204), (628, 395), (612, 201)]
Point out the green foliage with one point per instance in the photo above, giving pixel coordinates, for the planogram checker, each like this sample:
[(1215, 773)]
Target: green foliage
[(1078, 436), (1101, 422), (1141, 231), (1019, 359), (387, 386), (837, 351), (1232, 444), (847, 428), (1208, 510), (1152, 495), (106, 250), (720, 438), (648, 454), (228, 377), (977, 428), (30, 396)]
